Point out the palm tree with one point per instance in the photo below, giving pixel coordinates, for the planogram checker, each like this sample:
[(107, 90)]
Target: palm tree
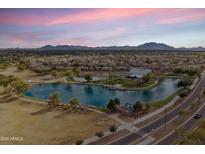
[(99, 134)]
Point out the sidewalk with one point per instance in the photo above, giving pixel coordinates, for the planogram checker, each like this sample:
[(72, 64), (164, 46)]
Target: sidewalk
[(172, 102)]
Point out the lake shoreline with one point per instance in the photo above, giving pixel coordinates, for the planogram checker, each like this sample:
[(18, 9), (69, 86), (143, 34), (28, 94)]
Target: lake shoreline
[(110, 87), (98, 95)]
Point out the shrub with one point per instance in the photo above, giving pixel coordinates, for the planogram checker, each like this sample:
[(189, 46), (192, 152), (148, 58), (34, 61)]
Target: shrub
[(74, 102), (88, 76), (184, 83), (99, 134), (113, 128)]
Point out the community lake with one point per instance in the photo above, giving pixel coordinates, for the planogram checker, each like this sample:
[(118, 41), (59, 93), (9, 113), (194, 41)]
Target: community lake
[(99, 96)]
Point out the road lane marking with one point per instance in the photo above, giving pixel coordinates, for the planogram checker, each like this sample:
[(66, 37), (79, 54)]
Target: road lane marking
[(203, 105), (185, 100)]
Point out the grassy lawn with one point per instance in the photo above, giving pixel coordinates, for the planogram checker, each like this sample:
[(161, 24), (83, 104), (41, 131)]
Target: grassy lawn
[(183, 76), (160, 103), (17, 120), (126, 82)]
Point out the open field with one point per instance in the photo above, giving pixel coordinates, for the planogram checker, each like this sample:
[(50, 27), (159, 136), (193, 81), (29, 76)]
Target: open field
[(27, 75), (17, 120)]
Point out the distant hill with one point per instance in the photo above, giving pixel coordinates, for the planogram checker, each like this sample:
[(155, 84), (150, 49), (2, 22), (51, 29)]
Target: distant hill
[(65, 47), (152, 46)]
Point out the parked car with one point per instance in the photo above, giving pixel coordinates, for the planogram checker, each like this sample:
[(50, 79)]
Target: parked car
[(197, 116)]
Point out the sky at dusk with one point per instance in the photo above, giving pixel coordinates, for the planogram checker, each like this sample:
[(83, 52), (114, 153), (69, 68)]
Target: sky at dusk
[(101, 27)]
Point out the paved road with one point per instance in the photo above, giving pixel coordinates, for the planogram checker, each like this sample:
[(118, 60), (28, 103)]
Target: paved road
[(190, 124), (127, 139), (169, 116), (176, 110)]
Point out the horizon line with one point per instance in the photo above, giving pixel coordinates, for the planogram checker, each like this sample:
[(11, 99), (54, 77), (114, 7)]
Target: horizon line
[(100, 46)]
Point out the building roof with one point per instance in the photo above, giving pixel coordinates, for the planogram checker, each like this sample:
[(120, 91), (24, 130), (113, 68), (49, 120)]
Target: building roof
[(139, 72)]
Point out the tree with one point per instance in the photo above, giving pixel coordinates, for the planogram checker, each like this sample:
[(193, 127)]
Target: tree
[(113, 128), (74, 102), (117, 101), (137, 107), (79, 142), (88, 76), (54, 99), (190, 72), (111, 105), (184, 83), (147, 77), (99, 134)]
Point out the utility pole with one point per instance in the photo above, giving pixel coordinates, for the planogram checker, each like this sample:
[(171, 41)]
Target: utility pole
[(165, 117)]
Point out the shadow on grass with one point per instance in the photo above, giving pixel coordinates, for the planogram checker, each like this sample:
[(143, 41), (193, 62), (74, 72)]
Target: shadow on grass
[(42, 111), (3, 93), (8, 100), (63, 114), (5, 96)]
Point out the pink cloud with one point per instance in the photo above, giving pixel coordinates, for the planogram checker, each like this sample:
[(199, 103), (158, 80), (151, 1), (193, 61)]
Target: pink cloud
[(25, 19), (80, 17), (20, 38), (100, 15), (161, 16), (182, 16), (26, 39)]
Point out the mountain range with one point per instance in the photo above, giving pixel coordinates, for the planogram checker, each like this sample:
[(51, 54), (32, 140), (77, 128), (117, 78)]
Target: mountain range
[(145, 46)]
